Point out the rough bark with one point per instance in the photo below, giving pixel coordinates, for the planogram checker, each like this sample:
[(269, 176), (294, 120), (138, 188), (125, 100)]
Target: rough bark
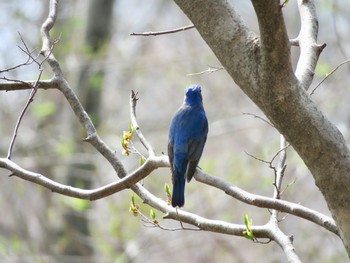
[(261, 67)]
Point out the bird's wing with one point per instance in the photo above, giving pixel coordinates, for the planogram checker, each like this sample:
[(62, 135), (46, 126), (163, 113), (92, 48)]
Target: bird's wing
[(195, 149), (191, 169), (171, 158)]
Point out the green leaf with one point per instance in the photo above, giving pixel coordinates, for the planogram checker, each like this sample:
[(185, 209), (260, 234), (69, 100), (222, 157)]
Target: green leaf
[(247, 221), (167, 189), (168, 194), (131, 128), (248, 233), (134, 208), (142, 159), (152, 214), (133, 199)]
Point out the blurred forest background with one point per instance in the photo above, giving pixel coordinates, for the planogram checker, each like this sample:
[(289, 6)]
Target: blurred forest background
[(103, 63)]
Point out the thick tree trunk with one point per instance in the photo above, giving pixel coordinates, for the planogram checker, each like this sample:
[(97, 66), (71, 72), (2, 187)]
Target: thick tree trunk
[(261, 66)]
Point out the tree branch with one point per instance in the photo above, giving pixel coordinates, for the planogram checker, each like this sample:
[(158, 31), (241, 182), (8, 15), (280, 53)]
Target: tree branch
[(14, 85), (157, 33), (34, 89), (149, 166), (275, 49), (284, 241), (47, 43), (266, 202), (133, 102), (309, 49), (227, 35), (225, 32), (328, 75), (281, 166), (278, 93)]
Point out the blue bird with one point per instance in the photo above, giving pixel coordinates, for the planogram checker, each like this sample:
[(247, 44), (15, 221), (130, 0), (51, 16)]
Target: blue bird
[(187, 136)]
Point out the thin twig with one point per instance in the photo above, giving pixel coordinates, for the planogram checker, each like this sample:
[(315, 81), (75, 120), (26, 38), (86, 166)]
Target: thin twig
[(32, 93), (279, 151), (258, 159), (25, 50), (133, 102), (279, 173), (288, 185), (329, 74), (19, 120), (157, 33), (210, 70), (258, 117), (156, 224), (279, 170)]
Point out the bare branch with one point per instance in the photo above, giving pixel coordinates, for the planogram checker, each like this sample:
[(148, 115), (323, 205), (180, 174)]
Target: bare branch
[(27, 51), (309, 49), (26, 106), (281, 166), (46, 49), (157, 33), (14, 84), (284, 241), (275, 49), (328, 75), (266, 202), (211, 69), (29, 60), (149, 166), (156, 224), (260, 118), (257, 158), (133, 102), (32, 94), (62, 85), (270, 230)]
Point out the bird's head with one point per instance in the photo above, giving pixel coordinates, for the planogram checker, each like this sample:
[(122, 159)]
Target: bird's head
[(193, 94)]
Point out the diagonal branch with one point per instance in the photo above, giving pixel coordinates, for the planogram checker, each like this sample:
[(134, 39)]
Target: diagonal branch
[(26, 106), (133, 102), (328, 75), (275, 49), (32, 93), (309, 49)]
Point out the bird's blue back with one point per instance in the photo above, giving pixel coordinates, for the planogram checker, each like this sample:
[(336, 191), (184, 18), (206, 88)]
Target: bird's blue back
[(187, 137)]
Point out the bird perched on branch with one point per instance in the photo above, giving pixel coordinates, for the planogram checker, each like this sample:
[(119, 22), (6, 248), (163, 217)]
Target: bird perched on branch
[(187, 136)]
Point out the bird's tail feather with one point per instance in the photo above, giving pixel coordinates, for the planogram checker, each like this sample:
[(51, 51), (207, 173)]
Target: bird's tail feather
[(178, 197)]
